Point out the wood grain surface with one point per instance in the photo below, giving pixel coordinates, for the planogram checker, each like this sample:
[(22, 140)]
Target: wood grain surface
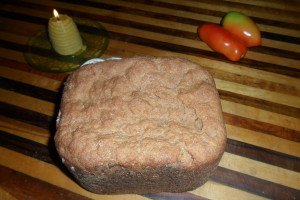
[(260, 94)]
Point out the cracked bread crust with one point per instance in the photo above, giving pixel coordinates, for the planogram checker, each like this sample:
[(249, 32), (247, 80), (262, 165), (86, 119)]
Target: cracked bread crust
[(123, 123)]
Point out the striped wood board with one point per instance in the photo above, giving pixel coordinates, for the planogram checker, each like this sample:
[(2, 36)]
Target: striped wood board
[(260, 94)]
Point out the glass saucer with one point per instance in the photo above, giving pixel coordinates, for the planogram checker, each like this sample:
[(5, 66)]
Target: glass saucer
[(40, 54)]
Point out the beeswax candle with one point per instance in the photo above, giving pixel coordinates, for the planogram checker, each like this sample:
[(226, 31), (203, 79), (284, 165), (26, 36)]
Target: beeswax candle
[(64, 35)]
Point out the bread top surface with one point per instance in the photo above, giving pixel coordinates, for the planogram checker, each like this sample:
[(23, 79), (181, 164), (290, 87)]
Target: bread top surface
[(139, 112)]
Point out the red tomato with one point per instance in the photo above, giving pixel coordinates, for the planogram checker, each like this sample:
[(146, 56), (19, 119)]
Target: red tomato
[(222, 41)]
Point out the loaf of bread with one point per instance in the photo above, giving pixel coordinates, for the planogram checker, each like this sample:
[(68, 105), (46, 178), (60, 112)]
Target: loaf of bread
[(140, 125)]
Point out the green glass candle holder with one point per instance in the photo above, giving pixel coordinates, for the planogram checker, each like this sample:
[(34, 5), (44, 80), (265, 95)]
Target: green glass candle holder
[(40, 55)]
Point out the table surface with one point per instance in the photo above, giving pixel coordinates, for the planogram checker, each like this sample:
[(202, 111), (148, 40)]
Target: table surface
[(260, 94)]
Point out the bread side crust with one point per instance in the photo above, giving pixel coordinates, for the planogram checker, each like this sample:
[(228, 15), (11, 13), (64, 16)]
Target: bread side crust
[(115, 179)]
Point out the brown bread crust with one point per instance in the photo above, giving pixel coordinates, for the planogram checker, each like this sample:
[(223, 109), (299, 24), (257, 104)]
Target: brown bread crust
[(141, 125)]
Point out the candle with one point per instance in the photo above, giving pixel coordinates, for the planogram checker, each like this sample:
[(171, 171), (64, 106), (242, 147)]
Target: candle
[(64, 35)]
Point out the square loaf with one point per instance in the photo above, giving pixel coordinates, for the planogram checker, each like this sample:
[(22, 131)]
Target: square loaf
[(140, 125)]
